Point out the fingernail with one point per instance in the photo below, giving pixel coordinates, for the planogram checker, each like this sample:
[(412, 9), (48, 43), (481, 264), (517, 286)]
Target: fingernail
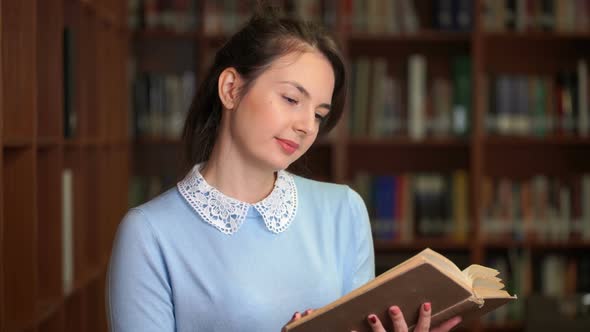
[(308, 311), (373, 319), (427, 306), (394, 310), (295, 314)]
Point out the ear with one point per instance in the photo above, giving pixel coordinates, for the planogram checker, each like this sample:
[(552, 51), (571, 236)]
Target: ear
[(227, 87)]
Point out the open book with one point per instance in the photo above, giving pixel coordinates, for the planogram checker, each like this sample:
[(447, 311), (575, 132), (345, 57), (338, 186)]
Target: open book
[(426, 277)]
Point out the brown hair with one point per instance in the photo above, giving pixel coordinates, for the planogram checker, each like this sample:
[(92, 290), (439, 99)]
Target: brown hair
[(267, 36)]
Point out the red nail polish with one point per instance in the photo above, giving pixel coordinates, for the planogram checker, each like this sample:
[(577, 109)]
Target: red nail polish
[(373, 319), (427, 306), (295, 314)]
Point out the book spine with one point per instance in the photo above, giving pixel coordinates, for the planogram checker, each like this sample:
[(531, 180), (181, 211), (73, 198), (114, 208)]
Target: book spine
[(416, 96), (67, 230)]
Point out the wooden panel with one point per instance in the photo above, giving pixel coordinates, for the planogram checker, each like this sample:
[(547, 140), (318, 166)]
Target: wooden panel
[(97, 320), (524, 158), (558, 53), (316, 163), (76, 313), (165, 55), (49, 222), (114, 172), (20, 251), (121, 89), (91, 212), (109, 173), (1, 181), (50, 68), (436, 45), (158, 158), (19, 68), (54, 323), (82, 23), (90, 69), (104, 85), (400, 157), (73, 162)]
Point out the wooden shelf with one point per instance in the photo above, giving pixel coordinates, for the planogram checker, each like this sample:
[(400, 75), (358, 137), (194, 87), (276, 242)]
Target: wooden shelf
[(47, 308), (537, 245), (166, 34), (443, 244), (46, 142), (35, 158), (157, 141), (426, 36), (93, 274), (17, 143), (404, 155), (89, 142), (399, 47), (426, 143), (544, 36), (523, 157), (524, 141)]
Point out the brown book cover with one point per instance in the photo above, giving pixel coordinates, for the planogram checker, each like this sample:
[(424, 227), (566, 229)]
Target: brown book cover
[(426, 277)]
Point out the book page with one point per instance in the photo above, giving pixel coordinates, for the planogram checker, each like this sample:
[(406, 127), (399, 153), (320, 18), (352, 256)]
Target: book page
[(447, 265)]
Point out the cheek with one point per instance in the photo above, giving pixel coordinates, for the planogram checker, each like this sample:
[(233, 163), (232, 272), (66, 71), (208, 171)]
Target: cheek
[(258, 117)]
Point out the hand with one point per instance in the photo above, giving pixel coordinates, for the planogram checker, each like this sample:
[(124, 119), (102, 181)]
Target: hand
[(423, 325), (297, 316)]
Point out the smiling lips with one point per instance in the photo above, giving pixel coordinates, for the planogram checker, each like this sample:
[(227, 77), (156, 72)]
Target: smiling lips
[(288, 146)]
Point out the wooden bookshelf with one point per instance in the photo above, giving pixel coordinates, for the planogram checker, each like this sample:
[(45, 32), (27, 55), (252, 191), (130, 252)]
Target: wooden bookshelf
[(480, 153), (35, 153)]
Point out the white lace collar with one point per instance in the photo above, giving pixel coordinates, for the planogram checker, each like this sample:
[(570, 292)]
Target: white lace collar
[(227, 214)]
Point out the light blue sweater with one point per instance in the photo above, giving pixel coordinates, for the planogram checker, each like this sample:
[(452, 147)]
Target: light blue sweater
[(172, 271)]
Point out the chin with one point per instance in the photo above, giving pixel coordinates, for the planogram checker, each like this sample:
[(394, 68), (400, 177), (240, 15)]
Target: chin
[(280, 163)]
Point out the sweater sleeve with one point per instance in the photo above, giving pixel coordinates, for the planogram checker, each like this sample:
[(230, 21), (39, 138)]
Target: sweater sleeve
[(138, 294), (363, 269)]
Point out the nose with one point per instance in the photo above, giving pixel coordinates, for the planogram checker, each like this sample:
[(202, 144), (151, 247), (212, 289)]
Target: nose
[(305, 124)]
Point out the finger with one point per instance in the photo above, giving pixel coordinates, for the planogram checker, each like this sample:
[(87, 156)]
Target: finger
[(375, 323), (307, 312), (448, 325), (295, 317), (424, 319), (399, 322)]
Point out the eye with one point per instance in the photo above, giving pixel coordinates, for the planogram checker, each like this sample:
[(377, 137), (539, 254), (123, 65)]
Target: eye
[(291, 100), (320, 117)]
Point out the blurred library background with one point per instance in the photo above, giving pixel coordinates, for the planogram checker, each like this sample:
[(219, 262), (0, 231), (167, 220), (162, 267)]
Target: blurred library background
[(467, 130)]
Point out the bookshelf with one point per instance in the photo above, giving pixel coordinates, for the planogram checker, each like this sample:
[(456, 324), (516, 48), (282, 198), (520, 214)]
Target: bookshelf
[(509, 42), (63, 181)]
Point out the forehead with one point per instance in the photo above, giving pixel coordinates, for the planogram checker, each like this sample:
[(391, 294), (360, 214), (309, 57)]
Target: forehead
[(311, 69)]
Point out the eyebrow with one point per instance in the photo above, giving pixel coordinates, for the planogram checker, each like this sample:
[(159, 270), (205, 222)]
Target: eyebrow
[(306, 93)]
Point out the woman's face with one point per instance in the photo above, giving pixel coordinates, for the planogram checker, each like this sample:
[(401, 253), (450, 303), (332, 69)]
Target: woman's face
[(279, 117)]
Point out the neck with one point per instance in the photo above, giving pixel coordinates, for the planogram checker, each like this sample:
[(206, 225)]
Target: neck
[(236, 178)]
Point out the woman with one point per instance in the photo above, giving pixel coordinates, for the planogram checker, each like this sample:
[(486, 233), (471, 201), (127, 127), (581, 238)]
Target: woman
[(240, 244)]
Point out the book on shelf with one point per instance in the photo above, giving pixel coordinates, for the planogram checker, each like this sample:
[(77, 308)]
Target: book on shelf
[(426, 277), (539, 105), (419, 204), (385, 105), (536, 15), (67, 230), (539, 208)]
